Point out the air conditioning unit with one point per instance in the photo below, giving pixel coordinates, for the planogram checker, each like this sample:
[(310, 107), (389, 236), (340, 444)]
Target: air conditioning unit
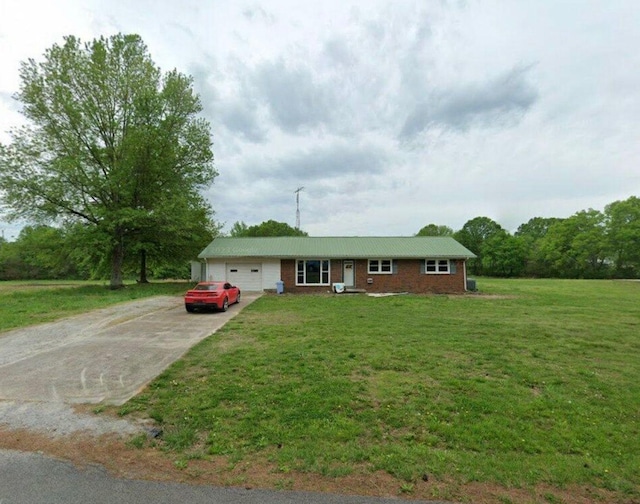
[(471, 284)]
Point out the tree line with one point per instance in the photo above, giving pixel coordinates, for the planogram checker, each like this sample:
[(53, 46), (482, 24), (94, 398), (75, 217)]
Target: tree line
[(43, 252), (588, 244)]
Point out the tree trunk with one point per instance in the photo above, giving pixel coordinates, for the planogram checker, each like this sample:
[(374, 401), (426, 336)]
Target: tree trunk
[(117, 259), (143, 267)]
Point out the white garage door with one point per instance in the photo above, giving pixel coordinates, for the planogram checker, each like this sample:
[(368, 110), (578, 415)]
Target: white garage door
[(246, 276)]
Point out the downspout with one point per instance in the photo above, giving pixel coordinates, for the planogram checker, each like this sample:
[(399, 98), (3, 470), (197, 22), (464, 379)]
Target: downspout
[(464, 268), (203, 270)]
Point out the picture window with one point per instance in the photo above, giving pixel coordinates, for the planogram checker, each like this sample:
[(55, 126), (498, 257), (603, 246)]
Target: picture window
[(312, 272)]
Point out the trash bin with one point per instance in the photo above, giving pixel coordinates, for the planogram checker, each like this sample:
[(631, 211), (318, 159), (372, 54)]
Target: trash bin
[(279, 286)]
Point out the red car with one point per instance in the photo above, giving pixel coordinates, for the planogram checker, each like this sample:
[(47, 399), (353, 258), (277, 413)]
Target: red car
[(211, 295)]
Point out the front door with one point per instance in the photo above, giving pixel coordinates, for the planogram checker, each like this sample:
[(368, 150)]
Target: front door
[(348, 276)]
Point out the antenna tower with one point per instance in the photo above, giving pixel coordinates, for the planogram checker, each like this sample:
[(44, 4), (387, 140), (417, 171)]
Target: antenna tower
[(297, 191)]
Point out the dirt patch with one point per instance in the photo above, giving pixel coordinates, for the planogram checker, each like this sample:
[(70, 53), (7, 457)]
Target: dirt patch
[(479, 295), (227, 344), (117, 453), (21, 286)]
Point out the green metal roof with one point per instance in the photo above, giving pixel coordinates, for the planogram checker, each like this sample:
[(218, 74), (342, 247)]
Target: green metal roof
[(298, 247)]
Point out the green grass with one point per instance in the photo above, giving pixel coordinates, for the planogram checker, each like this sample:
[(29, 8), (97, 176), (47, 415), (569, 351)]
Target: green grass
[(27, 303), (535, 382)]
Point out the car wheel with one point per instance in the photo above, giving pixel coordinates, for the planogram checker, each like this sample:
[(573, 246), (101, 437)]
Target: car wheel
[(225, 304), (189, 308), (238, 298)]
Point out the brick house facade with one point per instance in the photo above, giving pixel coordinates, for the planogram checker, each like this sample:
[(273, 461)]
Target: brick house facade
[(409, 275), (322, 264)]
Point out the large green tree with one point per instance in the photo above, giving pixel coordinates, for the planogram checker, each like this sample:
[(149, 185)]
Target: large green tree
[(239, 228), (435, 230), (266, 228), (536, 227), (504, 255), (623, 232), (473, 235), (577, 247), (39, 252), (531, 233), (111, 142), (171, 245)]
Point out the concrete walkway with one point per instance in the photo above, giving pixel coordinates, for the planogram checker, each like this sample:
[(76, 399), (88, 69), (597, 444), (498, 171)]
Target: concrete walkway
[(105, 355)]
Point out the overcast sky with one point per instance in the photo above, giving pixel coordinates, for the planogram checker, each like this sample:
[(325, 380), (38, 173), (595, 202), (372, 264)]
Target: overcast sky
[(391, 114)]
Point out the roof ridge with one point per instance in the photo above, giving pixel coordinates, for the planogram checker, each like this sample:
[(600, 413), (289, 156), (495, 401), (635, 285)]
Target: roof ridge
[(352, 247)]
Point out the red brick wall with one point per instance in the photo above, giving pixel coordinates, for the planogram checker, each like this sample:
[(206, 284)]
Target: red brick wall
[(407, 279)]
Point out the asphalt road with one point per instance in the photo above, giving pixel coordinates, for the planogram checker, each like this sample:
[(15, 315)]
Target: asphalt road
[(104, 355), (29, 478)]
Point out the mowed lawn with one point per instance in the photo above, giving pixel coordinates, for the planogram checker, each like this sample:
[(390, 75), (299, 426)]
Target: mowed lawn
[(531, 384)]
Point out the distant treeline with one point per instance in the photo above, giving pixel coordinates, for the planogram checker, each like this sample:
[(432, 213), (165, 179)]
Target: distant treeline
[(589, 244), (51, 253)]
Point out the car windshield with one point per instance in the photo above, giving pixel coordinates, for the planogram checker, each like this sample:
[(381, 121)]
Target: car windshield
[(207, 286)]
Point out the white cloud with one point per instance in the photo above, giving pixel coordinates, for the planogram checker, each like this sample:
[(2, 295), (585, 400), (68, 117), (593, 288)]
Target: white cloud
[(392, 115)]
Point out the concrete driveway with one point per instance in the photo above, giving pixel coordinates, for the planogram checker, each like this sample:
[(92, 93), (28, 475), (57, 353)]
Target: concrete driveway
[(106, 355)]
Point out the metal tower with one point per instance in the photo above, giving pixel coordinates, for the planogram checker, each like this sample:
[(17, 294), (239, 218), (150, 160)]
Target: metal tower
[(297, 191)]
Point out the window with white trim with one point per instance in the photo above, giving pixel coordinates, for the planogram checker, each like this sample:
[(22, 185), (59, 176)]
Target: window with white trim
[(380, 266), (437, 267), (312, 272)]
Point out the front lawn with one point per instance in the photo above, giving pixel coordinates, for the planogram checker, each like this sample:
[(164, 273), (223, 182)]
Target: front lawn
[(533, 385)]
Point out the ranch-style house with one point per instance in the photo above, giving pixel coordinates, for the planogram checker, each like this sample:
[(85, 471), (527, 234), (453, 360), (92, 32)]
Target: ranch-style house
[(318, 264)]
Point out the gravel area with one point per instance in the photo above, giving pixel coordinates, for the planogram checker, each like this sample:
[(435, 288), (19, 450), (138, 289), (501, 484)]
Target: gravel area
[(59, 419)]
